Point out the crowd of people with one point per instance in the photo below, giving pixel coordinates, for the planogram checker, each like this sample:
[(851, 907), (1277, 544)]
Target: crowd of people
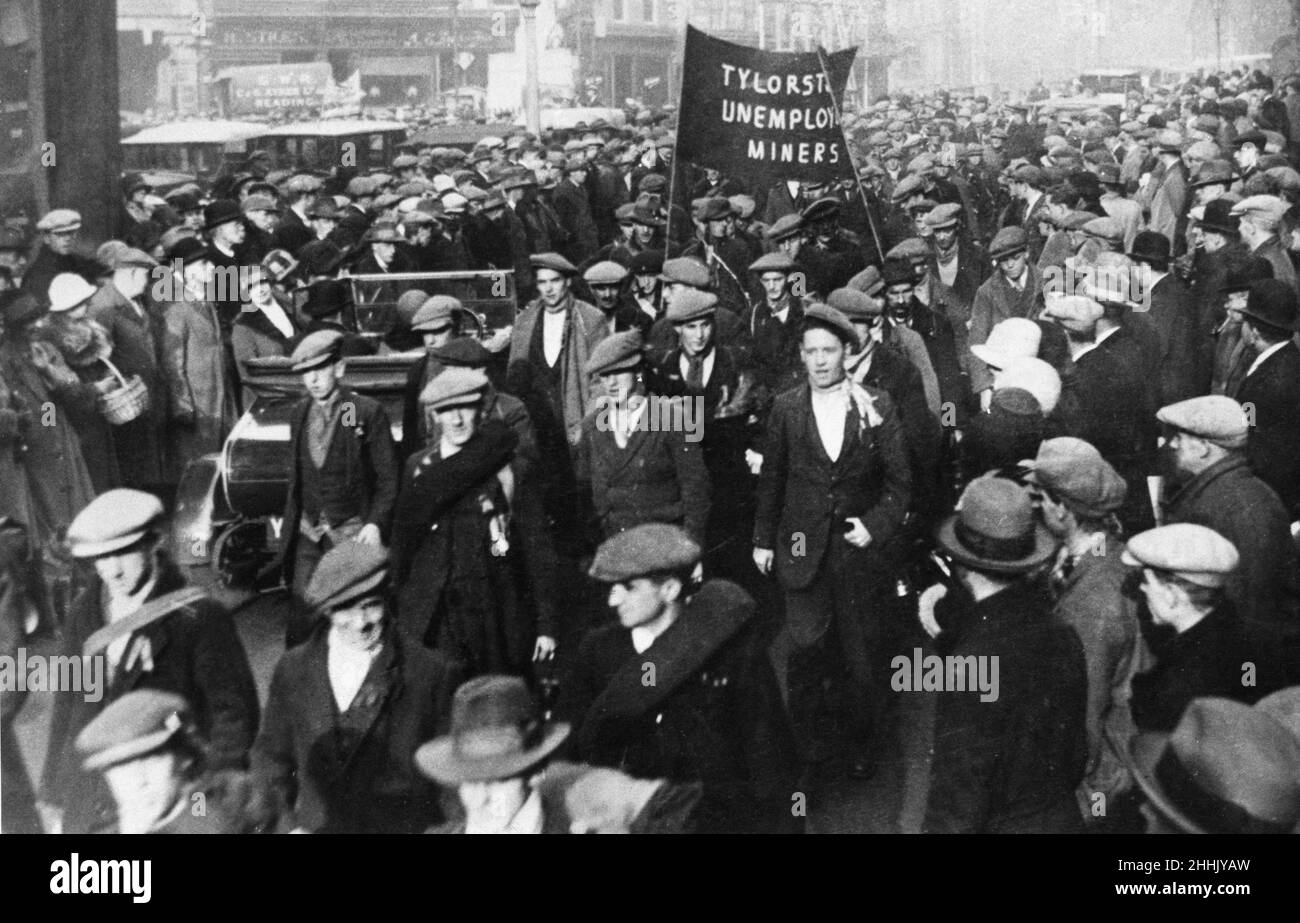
[(1023, 395)]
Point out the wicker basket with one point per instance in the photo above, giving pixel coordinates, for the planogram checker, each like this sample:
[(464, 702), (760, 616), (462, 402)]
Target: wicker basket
[(125, 402)]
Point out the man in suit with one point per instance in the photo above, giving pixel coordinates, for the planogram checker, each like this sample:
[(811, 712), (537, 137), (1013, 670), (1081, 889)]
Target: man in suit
[(347, 709), (712, 714), (295, 228), (135, 326), (342, 470), (834, 487), (149, 630), (1271, 389), (1169, 199), (1015, 290), (1005, 759)]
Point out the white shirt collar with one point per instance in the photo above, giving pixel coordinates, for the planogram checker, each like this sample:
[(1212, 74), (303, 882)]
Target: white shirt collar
[(528, 819), (645, 635), (278, 318), (1259, 360), (348, 668)]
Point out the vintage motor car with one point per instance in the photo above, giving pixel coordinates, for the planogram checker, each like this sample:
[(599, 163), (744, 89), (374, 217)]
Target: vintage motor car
[(230, 505)]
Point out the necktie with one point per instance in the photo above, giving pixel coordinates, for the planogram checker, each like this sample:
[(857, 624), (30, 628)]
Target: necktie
[(695, 373)]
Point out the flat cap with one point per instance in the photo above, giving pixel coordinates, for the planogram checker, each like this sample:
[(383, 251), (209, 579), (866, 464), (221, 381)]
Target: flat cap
[(1213, 417), (1257, 138), (907, 186), (114, 520), (1076, 473), (715, 208), (742, 205), (362, 187), (943, 216), (1008, 241), (463, 352), (855, 304), (652, 548), (59, 221), (405, 161), (1030, 174), (1108, 174), (454, 386), (618, 352), (348, 572), (691, 305), (1195, 553), (823, 209), (317, 349), (1107, 229), (1077, 313), (303, 183), (136, 724), (821, 315), (868, 280), (436, 313), (911, 248), (258, 203), (776, 261), (554, 262), (1264, 211), (606, 272), (686, 271), (1170, 141)]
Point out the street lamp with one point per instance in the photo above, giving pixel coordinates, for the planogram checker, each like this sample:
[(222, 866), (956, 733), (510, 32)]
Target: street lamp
[(532, 96)]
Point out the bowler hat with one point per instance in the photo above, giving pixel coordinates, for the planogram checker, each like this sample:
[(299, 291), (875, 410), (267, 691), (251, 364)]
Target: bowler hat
[(1213, 172), (647, 263), (1218, 217), (496, 732), (327, 297), (1244, 271), (220, 212), (1151, 247), (1273, 302), (994, 529), (320, 258)]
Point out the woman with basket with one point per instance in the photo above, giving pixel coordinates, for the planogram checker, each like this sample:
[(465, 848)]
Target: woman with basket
[(86, 348)]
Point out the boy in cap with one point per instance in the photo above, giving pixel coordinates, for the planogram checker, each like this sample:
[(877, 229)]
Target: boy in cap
[(713, 714), (154, 763), (347, 709), (149, 630), (1077, 493), (1007, 761), (342, 470), (1188, 623), (834, 488), (459, 534), (1015, 289), (639, 452)]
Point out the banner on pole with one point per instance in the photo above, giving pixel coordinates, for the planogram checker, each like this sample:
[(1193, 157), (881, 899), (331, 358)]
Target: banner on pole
[(763, 114)]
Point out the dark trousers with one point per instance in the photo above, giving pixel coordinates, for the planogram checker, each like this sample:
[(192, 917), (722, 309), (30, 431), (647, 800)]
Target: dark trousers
[(824, 673)]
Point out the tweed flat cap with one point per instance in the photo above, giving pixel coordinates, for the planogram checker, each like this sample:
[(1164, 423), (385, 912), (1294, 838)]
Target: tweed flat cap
[(317, 349), (553, 261), (943, 216), (455, 386), (136, 724), (437, 313), (783, 227), (463, 352), (1264, 211), (911, 249), (855, 304), (606, 272), (1075, 471), (821, 315), (653, 548), (776, 261), (1213, 417), (686, 271), (1008, 241), (348, 572), (868, 280), (691, 305), (1195, 553), (114, 520), (619, 352)]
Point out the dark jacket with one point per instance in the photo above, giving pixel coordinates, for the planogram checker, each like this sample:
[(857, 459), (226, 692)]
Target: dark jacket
[(802, 494), (193, 652), (1233, 501), (1205, 660), (371, 465), (1010, 765), (1272, 393), (253, 336), (713, 713), (354, 772), (659, 477), (1173, 317)]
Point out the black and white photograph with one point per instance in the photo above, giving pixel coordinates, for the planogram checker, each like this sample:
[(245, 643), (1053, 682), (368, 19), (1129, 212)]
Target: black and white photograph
[(651, 416)]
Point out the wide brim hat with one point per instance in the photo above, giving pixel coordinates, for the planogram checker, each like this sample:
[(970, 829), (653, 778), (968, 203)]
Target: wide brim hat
[(441, 760), (1001, 505), (1043, 547)]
